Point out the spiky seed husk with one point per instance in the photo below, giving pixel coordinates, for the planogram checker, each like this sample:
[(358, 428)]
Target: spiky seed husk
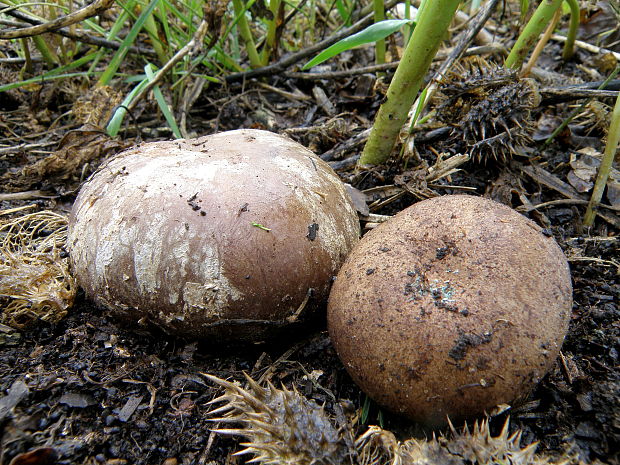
[(489, 108), (281, 426)]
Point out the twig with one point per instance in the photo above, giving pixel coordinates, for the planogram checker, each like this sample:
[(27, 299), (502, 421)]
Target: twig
[(83, 13), (81, 36), (189, 98), (295, 97), (342, 74), (483, 37), (345, 164), (552, 203), (547, 179), (18, 60), (577, 110), (586, 46), (553, 96), (189, 48), (26, 195), (346, 146)]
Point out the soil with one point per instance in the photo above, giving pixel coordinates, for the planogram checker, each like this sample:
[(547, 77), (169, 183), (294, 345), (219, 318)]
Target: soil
[(90, 390)]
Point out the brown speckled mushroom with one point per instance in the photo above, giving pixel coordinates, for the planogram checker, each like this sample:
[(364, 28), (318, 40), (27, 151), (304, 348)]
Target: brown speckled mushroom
[(455, 305), (228, 236)]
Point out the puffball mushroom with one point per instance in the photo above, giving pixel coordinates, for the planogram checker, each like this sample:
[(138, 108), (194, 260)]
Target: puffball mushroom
[(228, 236), (452, 307)]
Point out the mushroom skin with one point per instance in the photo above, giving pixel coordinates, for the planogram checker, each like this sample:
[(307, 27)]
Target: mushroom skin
[(231, 236), (452, 307)]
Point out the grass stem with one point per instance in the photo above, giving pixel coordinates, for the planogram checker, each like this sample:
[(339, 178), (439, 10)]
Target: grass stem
[(541, 43), (246, 33)]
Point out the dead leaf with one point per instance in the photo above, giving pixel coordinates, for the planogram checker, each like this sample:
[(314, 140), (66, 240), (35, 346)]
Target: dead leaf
[(80, 151), (359, 199), (17, 392), (38, 456), (585, 165)]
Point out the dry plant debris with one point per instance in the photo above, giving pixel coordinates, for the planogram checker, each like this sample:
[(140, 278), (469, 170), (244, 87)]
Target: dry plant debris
[(35, 281), (79, 152), (283, 427)]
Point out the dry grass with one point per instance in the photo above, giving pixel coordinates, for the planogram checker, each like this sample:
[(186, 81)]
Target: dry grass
[(35, 282)]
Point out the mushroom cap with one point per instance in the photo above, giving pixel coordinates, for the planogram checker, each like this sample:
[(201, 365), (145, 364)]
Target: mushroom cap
[(452, 307), (230, 236)]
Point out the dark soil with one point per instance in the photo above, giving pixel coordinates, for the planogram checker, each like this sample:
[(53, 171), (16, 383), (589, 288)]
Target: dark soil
[(89, 390)]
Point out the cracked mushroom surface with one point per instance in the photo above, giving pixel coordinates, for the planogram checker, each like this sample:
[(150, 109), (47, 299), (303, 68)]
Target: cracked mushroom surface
[(227, 236), (452, 307)]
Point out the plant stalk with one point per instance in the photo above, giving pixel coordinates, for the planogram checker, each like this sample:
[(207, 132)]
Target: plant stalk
[(613, 138), (532, 30), (272, 32), (569, 45), (246, 34), (430, 30)]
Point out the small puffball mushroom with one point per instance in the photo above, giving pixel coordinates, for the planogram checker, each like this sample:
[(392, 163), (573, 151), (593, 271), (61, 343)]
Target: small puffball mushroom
[(452, 307), (229, 236)]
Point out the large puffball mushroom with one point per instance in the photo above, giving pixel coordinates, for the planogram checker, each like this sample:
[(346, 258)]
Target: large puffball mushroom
[(229, 236), (452, 307)]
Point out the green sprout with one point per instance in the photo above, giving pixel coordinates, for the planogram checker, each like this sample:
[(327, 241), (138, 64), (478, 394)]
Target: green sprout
[(260, 226)]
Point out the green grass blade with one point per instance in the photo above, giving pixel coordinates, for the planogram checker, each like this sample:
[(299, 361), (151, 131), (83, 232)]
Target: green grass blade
[(118, 57), (58, 73), (40, 79), (365, 410), (117, 119), (369, 35), (163, 105)]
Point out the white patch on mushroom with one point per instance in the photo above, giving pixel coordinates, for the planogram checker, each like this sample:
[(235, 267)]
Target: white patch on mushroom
[(106, 248), (147, 253), (210, 296), (161, 174)]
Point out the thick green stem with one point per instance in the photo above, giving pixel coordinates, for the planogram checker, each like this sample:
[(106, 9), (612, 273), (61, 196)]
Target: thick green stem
[(532, 30), (380, 44), (272, 30), (569, 45), (246, 34), (613, 138), (433, 22)]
